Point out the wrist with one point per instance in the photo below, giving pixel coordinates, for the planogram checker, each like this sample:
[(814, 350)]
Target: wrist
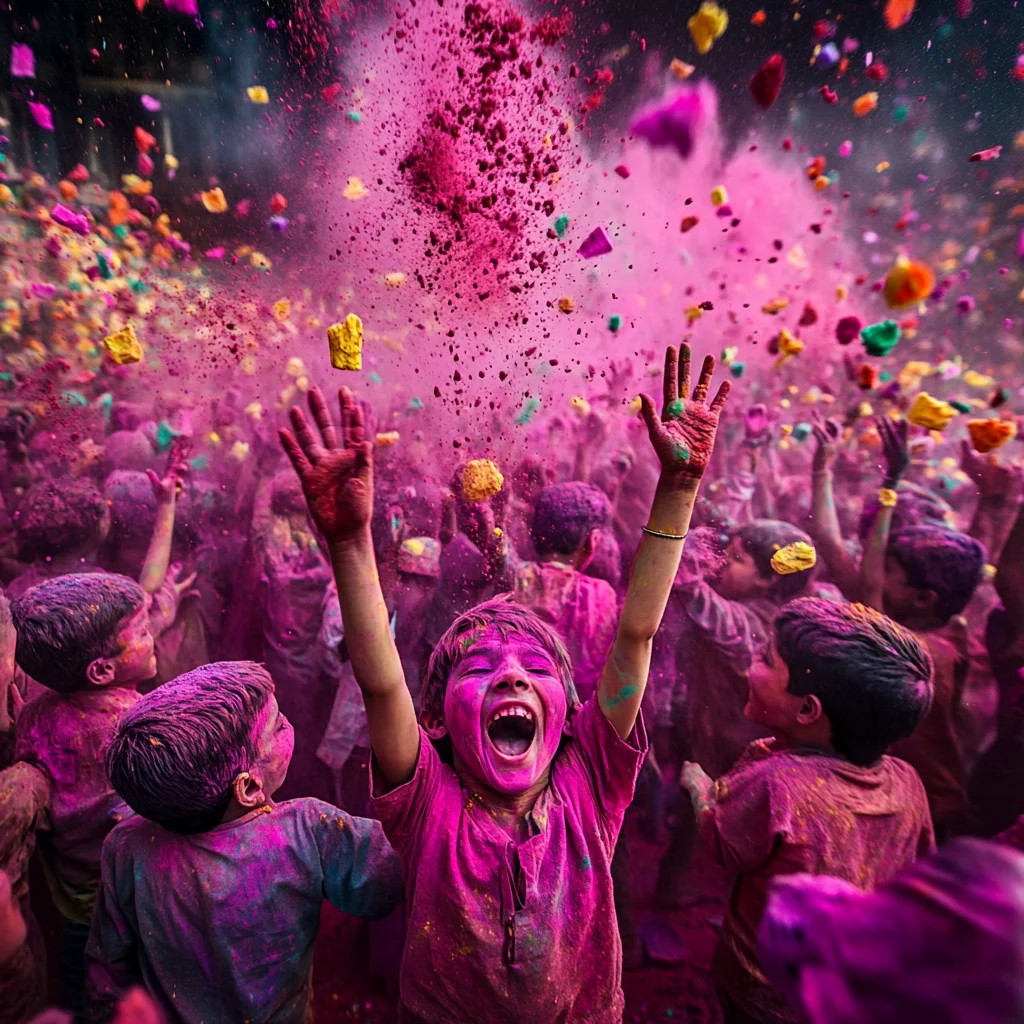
[(678, 483), (350, 542)]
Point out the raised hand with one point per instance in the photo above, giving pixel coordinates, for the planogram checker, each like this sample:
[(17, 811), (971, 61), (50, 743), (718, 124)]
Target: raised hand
[(894, 448), (172, 483), (336, 477), (828, 435), (994, 479), (684, 435)]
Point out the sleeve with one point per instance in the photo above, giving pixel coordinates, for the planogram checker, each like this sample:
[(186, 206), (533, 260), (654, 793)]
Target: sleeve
[(24, 797), (111, 954), (735, 630), (611, 762), (362, 873), (406, 812), (739, 828)]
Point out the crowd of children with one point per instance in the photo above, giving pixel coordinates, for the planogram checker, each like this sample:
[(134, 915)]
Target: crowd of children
[(228, 696)]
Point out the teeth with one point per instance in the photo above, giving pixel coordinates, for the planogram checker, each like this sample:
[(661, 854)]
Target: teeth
[(513, 712)]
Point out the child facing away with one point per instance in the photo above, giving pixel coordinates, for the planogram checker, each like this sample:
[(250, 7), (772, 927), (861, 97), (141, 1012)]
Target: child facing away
[(506, 848), (211, 897), (837, 686)]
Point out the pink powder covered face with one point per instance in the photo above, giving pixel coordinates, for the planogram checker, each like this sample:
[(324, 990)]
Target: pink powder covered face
[(505, 708)]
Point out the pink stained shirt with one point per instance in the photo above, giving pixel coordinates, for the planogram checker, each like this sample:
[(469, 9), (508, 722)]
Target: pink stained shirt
[(559, 958), (66, 736)]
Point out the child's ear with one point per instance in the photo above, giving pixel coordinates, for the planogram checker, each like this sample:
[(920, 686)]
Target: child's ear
[(433, 724), (248, 791), (100, 672), (926, 600), (810, 710)]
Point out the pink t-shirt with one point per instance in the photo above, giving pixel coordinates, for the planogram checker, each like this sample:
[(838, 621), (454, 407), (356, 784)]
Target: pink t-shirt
[(505, 933)]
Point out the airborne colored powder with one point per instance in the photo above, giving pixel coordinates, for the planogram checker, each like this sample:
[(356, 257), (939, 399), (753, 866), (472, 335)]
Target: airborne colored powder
[(472, 145)]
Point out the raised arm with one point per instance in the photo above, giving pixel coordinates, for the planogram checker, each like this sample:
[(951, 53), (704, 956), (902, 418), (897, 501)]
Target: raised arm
[(824, 526), (1009, 579), (998, 486), (337, 480), (872, 563), (683, 438), (166, 490)]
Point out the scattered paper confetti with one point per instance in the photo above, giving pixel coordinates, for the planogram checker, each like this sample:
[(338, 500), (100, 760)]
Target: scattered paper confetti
[(258, 94), (23, 61), (707, 25), (597, 243), (865, 104), (42, 115)]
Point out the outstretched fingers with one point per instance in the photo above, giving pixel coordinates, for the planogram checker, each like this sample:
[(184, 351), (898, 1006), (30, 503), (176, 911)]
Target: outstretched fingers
[(684, 371), (294, 451), (700, 392), (670, 382), (311, 447), (353, 424), (322, 415), (650, 415), (723, 393)]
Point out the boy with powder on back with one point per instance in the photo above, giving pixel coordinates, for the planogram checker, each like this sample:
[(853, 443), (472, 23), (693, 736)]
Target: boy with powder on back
[(506, 850)]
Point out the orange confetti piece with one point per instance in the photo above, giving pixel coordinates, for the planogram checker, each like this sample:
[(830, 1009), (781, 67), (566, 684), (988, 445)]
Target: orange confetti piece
[(898, 12), (214, 201), (759, 18), (865, 104)]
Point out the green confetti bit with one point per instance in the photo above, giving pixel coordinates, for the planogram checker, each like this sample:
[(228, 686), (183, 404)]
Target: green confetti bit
[(561, 225), (614, 322), (585, 863), (530, 407), (137, 286), (900, 113), (801, 431), (737, 369), (959, 406), (5, 376), (881, 338), (884, 377), (165, 434), (75, 398), (121, 231), (415, 404), (375, 378), (354, 116), (200, 462)]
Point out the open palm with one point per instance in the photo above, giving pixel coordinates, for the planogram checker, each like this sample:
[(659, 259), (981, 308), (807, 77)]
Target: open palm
[(683, 435), (336, 477)]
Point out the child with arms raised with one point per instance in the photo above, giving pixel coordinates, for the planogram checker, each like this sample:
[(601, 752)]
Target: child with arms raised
[(507, 850), (838, 685)]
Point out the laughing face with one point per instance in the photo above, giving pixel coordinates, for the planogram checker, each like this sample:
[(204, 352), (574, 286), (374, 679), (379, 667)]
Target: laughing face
[(505, 707)]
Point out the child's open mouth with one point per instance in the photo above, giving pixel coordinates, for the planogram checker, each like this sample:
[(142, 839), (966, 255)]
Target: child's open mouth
[(511, 730)]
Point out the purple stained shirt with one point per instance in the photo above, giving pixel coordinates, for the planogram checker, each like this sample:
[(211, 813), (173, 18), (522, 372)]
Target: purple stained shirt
[(561, 959), (66, 736), (220, 926)]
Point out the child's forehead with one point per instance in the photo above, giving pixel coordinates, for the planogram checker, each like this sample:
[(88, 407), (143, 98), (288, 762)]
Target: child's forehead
[(490, 640)]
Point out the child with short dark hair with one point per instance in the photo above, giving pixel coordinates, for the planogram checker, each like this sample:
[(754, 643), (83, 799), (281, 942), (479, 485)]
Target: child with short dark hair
[(568, 521), (87, 637), (507, 849), (923, 576), (211, 897), (838, 685)]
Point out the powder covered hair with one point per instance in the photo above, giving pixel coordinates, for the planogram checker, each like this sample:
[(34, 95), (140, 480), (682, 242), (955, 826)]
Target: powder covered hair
[(177, 752), (944, 561), (565, 515), (54, 518), (509, 620), (872, 676), (68, 622)]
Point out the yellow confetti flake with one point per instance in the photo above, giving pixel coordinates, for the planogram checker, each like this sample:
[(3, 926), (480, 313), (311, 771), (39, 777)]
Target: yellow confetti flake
[(6, 195), (681, 69), (171, 161), (258, 94), (282, 309), (214, 201), (259, 261), (355, 189), (775, 306), (930, 413), (719, 196), (841, 292), (254, 410), (883, 166), (395, 280), (123, 346), (707, 25), (796, 557), (239, 450), (388, 439), (973, 379), (580, 405), (481, 479), (565, 304), (693, 313), (346, 343)]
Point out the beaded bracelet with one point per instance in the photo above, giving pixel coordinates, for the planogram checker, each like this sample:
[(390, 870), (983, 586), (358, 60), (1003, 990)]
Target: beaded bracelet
[(664, 536)]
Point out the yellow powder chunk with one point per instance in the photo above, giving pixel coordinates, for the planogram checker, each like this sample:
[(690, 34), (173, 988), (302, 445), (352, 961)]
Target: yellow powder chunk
[(793, 558), (214, 201), (282, 309), (774, 306), (930, 413), (481, 479), (565, 304), (580, 405), (788, 345), (355, 189), (719, 196), (123, 347), (388, 439), (258, 94), (987, 435), (346, 343), (681, 69), (707, 25)]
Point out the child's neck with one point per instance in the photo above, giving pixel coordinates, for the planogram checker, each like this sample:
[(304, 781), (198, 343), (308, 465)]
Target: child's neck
[(509, 811), (926, 622)]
